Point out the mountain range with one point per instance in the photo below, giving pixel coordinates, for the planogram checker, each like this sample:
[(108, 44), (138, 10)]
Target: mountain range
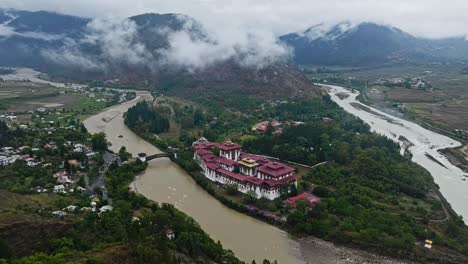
[(177, 53), (370, 44), (135, 51)]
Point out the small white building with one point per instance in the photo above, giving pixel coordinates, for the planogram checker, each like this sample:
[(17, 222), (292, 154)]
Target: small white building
[(12, 118), (105, 208), (59, 213), (70, 208), (59, 188)]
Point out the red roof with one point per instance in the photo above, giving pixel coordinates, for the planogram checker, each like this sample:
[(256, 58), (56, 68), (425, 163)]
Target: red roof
[(253, 180), (201, 152), (207, 145), (275, 169), (209, 157), (225, 161), (257, 158), (200, 146), (229, 147), (73, 162), (232, 175), (310, 198), (273, 183), (212, 166)]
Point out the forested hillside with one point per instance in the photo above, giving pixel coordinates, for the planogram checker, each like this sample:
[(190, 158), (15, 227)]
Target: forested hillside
[(371, 196)]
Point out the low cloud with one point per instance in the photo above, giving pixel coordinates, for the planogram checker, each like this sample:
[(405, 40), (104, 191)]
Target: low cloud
[(193, 47), (106, 42), (68, 56), (427, 18), (7, 32), (118, 41), (248, 48)]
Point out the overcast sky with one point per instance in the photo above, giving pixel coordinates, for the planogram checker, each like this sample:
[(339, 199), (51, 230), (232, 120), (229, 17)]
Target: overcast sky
[(430, 18)]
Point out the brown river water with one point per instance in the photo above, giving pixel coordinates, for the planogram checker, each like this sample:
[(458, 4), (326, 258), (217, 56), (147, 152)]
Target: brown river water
[(249, 238), (164, 181)]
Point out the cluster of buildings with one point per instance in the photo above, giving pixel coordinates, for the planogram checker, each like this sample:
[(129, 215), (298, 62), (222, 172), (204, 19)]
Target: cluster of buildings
[(11, 118), (277, 126), (64, 180), (250, 173), (92, 208), (9, 155), (417, 82)]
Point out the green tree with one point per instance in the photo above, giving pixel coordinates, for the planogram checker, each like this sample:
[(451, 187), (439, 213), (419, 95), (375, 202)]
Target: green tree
[(99, 141)]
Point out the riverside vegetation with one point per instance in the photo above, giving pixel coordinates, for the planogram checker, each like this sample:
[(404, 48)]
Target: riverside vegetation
[(372, 197), (135, 231)]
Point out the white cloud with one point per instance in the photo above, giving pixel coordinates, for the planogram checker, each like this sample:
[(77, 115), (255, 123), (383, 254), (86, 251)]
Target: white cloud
[(7, 31), (72, 57), (431, 18), (244, 30), (248, 47), (118, 41)]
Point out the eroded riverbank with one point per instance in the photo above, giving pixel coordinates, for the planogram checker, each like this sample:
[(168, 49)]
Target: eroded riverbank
[(425, 146)]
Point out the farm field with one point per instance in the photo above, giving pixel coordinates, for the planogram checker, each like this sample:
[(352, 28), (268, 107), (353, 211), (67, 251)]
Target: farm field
[(22, 97)]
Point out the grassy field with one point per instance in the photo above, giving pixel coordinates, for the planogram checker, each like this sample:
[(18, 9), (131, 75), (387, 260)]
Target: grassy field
[(22, 97)]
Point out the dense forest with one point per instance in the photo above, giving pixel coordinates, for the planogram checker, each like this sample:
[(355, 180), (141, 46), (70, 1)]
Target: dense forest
[(372, 197), (144, 117)]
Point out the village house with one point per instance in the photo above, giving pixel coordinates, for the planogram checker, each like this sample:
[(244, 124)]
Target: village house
[(310, 199), (60, 214), (74, 163), (70, 208), (59, 188), (250, 173), (105, 208), (62, 177), (12, 118)]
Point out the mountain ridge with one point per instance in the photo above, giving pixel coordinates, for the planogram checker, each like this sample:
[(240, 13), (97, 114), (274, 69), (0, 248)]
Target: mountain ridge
[(369, 43), (133, 51)]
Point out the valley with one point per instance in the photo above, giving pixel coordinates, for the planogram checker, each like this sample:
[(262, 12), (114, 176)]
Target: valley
[(232, 137)]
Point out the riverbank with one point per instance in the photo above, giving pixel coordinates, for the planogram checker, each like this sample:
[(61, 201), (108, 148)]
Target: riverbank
[(249, 238), (165, 182), (455, 155), (312, 249), (424, 142)]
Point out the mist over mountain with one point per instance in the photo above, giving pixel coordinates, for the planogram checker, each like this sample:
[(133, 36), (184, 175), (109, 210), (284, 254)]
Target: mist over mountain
[(158, 48), (369, 44), (149, 40)]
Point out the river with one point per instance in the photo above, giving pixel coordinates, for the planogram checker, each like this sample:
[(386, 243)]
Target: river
[(22, 74), (164, 181), (249, 238), (425, 144)]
